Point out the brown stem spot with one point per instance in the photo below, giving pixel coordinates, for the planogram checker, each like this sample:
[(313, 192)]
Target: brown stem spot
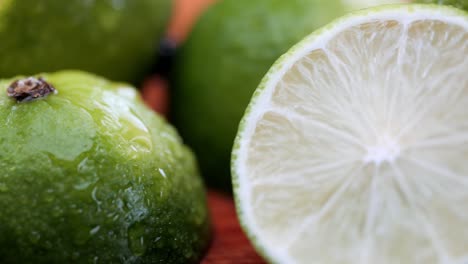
[(28, 89)]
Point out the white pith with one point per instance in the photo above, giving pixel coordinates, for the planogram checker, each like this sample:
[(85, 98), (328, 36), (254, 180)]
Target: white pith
[(374, 171)]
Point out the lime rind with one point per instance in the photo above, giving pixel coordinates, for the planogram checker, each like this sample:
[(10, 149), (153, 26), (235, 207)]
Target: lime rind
[(93, 173), (399, 12)]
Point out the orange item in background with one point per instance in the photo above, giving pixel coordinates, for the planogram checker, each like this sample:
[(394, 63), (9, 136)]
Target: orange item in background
[(184, 15), (155, 89)]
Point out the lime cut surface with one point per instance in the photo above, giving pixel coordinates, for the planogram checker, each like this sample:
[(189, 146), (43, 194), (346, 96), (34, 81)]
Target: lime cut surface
[(354, 147)]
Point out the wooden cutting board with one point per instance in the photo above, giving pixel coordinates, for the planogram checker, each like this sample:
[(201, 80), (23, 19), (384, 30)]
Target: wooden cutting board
[(229, 245)]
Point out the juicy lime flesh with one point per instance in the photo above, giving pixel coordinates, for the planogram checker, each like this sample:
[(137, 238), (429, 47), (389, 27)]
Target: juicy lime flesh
[(359, 155), (90, 175), (114, 38)]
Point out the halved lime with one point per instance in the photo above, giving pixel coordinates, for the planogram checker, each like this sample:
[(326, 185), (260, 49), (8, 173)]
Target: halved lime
[(354, 147)]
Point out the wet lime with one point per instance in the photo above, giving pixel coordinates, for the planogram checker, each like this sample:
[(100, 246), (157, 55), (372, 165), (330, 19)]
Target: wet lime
[(90, 175)]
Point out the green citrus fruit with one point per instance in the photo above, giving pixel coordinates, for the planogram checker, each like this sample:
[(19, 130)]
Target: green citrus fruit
[(90, 175), (462, 4), (354, 147), (114, 38), (224, 59)]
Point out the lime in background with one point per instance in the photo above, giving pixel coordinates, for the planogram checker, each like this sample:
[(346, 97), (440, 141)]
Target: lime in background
[(462, 4), (230, 49), (114, 38)]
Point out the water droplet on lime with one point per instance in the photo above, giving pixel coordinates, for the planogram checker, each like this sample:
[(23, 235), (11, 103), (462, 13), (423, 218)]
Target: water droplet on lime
[(94, 231)]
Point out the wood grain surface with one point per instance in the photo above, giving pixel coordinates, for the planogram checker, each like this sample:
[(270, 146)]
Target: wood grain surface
[(229, 245)]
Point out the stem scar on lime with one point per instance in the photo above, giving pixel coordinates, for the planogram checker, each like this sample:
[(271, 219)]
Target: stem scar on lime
[(30, 88)]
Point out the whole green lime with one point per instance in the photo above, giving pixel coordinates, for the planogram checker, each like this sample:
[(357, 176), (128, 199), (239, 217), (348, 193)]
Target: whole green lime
[(462, 4), (218, 68), (114, 38), (90, 175)]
